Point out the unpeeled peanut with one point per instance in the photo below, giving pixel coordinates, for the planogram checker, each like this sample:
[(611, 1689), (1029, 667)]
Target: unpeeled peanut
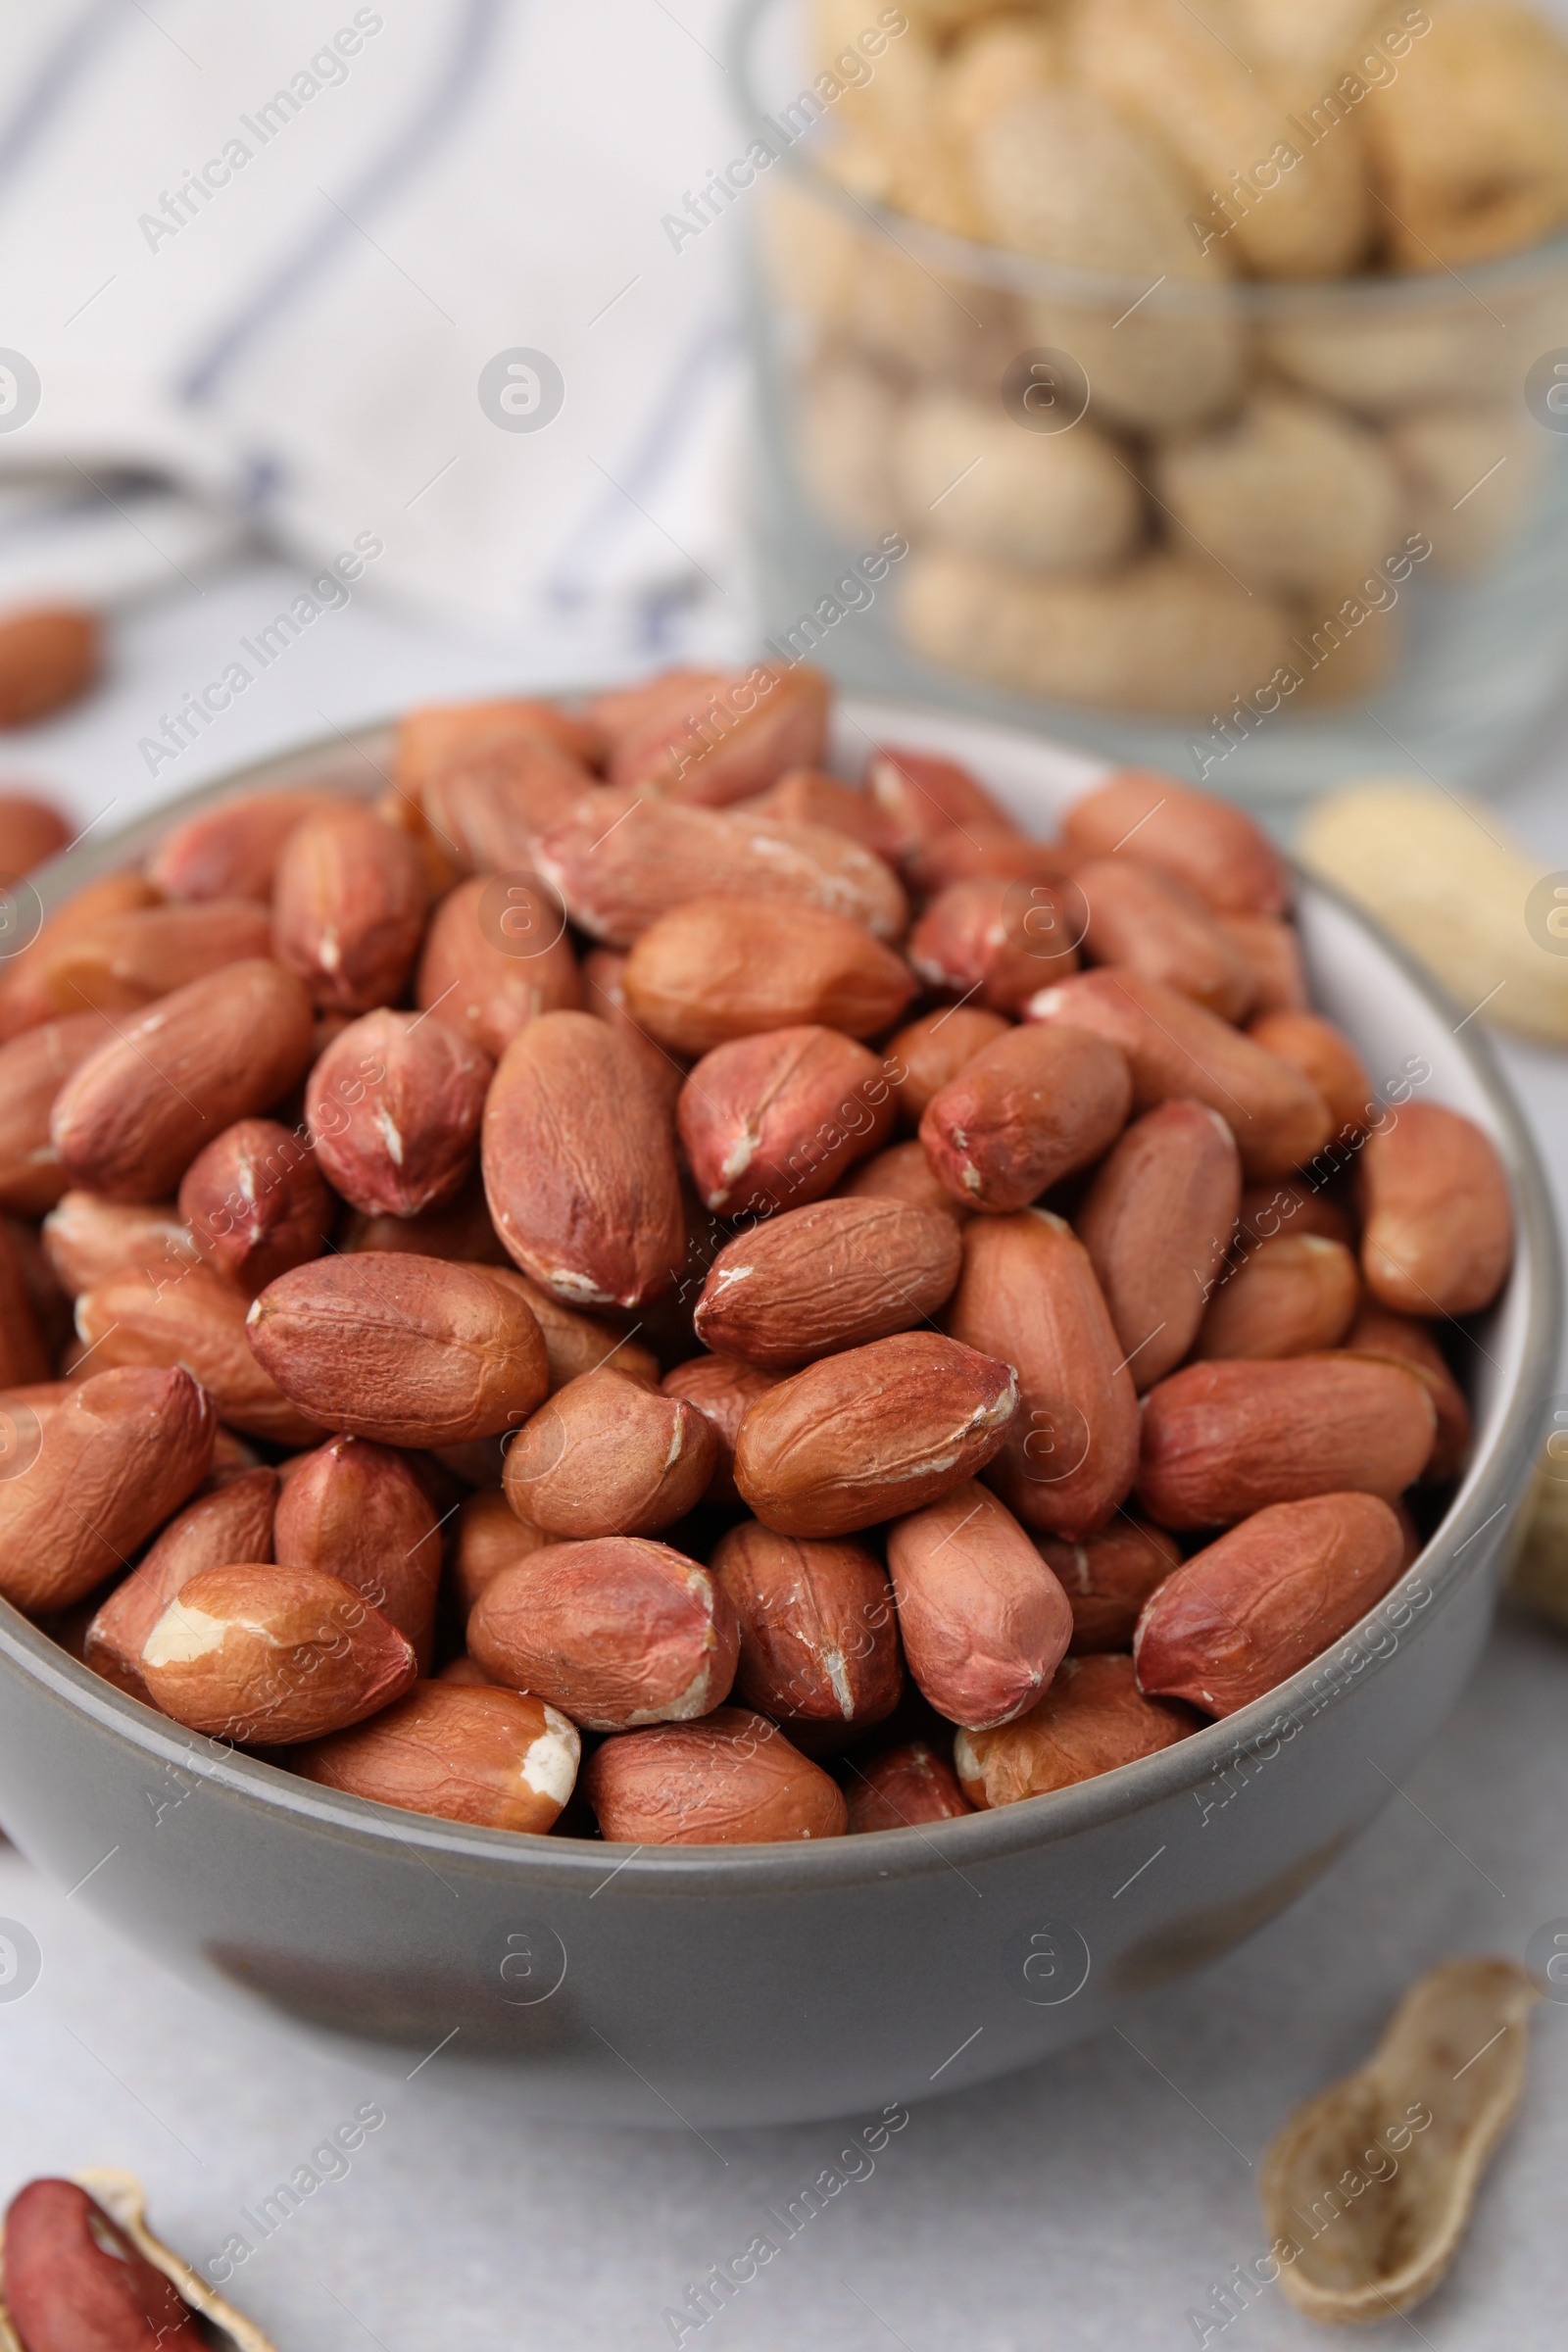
[(607, 1455), (1092, 1719), (1289, 1297), (983, 1619), (772, 1121), (720, 968), (394, 1107), (348, 905), (903, 1788), (270, 1656), (1173, 1048), (356, 1511), (1437, 1216), (614, 1632), (1250, 1609), (878, 1429), (1028, 1296), (819, 1637), (233, 1523), (1221, 1441), (254, 1204), (1158, 1222), (1107, 1577), (1024, 1111), (821, 1279), (494, 1758), (731, 1779), (1151, 922)]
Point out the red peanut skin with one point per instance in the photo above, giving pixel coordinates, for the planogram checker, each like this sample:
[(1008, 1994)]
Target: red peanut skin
[(609, 1455), (904, 1173), (485, 992), (118, 1456), (34, 1067), (1107, 1577), (1224, 1440), (408, 1351), (997, 940), (1273, 949), (1028, 1296), (24, 1358), (130, 1121), (1379, 1331), (75, 2284), (1174, 1046), (850, 1440), (257, 1204), (1212, 845), (235, 1522), (490, 1536), (444, 1748), (773, 1121), (1024, 1111), (1438, 1217), (714, 742), (404, 1076), (1247, 1611), (821, 1279), (818, 1637), (983, 1619), (1326, 1055), (348, 905), (1150, 922), (232, 850), (924, 798), (356, 1510), (616, 1632), (488, 806), (723, 1391), (1291, 1205), (733, 1780), (605, 1230), (1093, 1719), (1158, 1222), (933, 1049), (278, 1675), (434, 735), (720, 969), (809, 795), (903, 1788), (1289, 1297)]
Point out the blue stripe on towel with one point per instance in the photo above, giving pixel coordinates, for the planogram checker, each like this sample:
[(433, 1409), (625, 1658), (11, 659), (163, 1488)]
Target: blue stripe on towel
[(438, 113)]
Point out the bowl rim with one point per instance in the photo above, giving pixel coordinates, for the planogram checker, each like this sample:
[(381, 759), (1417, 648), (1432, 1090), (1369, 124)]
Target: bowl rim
[(942, 250), (567, 1864)]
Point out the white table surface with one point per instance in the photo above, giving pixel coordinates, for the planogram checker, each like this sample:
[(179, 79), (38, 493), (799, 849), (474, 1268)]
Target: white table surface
[(1089, 2202)]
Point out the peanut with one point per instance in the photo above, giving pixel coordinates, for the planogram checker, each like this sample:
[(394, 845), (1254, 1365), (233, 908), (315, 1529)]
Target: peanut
[(348, 909), (733, 1780), (997, 940), (271, 1657), (394, 1107), (614, 1632), (234, 1522), (1438, 1219), (494, 1758), (1379, 1331), (609, 1456), (1107, 1577), (772, 1121), (1092, 1719), (983, 1621), (1158, 1222), (935, 1046), (723, 1391), (1034, 1107), (491, 969), (1028, 1294), (356, 1511), (34, 1067), (818, 1637), (231, 851), (73, 2278), (1224, 1440), (254, 1204), (1218, 849), (490, 1536), (821, 1279), (1154, 924), (720, 968), (1325, 1055), (1248, 1610), (904, 1787), (853, 1438), (1289, 1297)]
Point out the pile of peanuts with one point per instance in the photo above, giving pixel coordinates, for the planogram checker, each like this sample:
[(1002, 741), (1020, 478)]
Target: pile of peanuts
[(1215, 486), (637, 1282)]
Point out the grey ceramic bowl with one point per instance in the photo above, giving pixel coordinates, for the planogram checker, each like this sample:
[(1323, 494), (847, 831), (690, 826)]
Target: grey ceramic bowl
[(770, 1984)]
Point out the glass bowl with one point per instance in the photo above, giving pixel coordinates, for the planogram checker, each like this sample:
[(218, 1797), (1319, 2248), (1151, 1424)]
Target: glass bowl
[(1266, 534)]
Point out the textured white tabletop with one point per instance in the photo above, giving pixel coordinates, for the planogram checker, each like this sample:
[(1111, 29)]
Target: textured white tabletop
[(1091, 2202)]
